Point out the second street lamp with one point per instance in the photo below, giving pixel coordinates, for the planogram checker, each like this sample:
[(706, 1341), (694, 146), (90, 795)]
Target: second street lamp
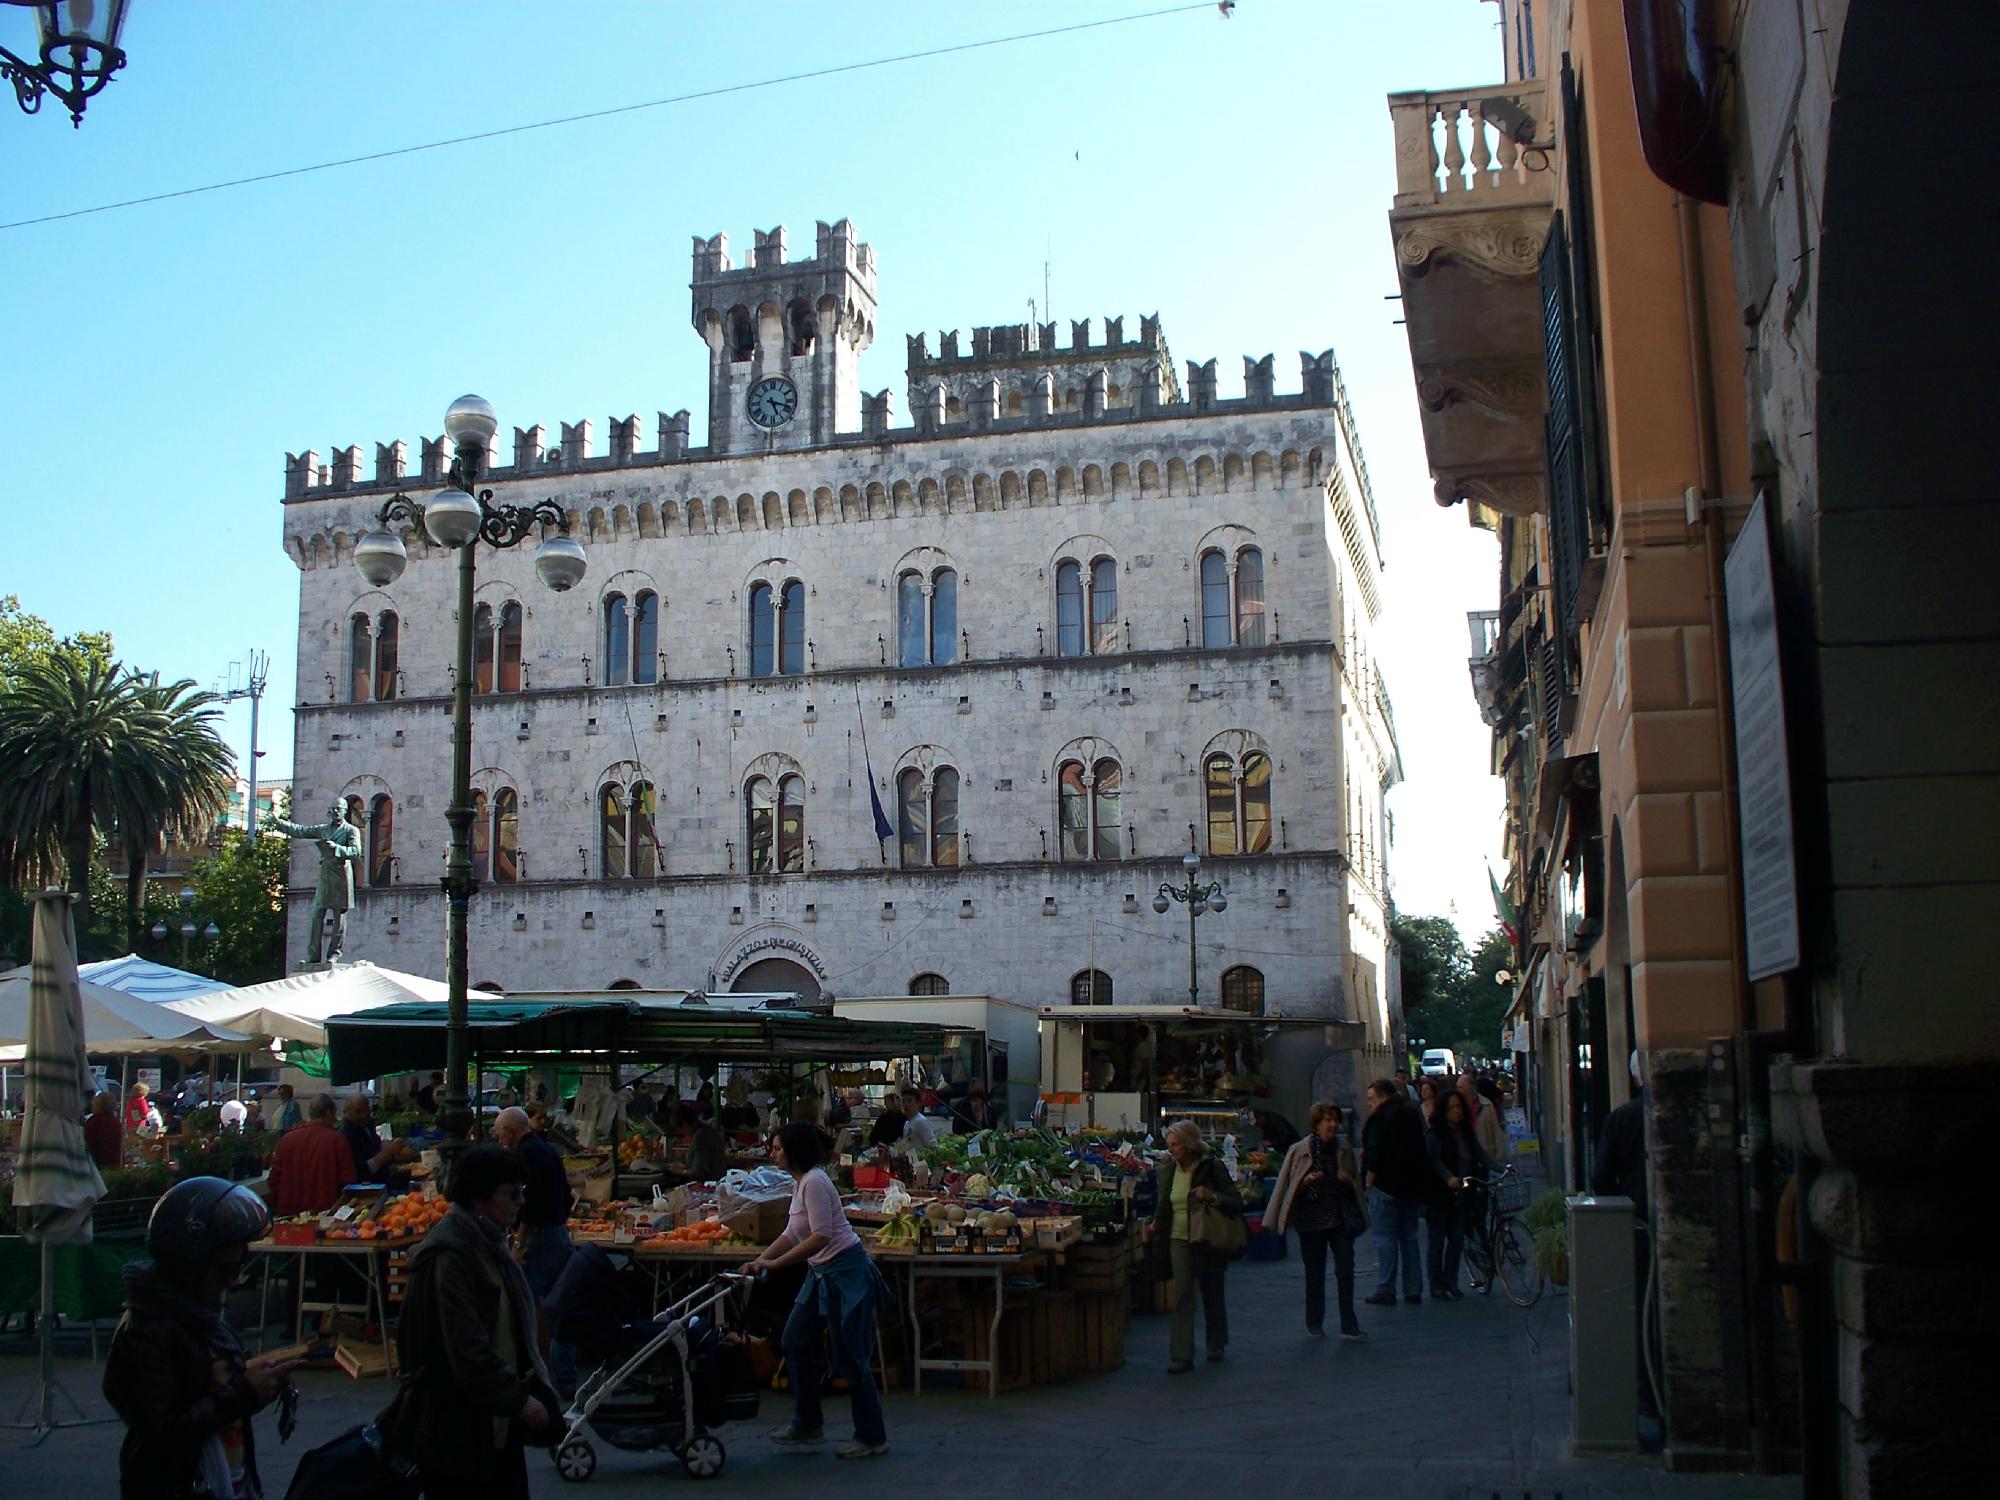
[(1197, 898), (456, 518)]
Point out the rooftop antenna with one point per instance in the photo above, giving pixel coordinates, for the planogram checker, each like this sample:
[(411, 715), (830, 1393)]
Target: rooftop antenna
[(246, 680)]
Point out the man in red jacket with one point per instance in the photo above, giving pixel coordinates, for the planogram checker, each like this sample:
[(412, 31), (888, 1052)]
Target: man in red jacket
[(312, 1164)]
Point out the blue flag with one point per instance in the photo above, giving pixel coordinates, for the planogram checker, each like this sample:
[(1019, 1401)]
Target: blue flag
[(884, 829)]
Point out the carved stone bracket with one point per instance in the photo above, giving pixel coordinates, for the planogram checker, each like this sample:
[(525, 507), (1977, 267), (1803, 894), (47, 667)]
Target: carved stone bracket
[(1508, 390), (1512, 494), (1499, 245)]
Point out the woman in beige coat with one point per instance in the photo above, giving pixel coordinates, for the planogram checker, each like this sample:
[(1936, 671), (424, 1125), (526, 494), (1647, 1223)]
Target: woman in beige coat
[(1318, 1193)]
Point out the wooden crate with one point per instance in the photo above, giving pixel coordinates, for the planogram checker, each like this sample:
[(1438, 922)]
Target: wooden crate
[(361, 1360), (1101, 1322), (1038, 1339)]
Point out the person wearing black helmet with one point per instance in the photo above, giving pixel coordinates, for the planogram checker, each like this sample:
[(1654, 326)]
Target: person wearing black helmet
[(176, 1373)]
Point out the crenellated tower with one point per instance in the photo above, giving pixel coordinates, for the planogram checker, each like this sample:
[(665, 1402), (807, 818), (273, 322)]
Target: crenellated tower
[(784, 339)]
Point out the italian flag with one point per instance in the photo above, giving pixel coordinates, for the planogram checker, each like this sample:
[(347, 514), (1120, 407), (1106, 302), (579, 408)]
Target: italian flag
[(1504, 910)]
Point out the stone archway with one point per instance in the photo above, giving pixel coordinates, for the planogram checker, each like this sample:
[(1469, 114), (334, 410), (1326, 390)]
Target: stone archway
[(775, 976)]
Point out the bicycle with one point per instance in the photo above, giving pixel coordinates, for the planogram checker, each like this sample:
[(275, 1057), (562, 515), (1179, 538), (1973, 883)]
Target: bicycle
[(1498, 1246)]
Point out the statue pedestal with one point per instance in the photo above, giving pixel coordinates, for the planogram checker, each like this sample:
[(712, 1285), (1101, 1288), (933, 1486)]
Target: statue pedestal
[(306, 966)]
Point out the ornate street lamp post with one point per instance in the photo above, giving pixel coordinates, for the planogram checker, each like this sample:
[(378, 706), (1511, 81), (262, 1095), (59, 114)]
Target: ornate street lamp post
[(190, 930), (78, 53), (1197, 898), (455, 518)]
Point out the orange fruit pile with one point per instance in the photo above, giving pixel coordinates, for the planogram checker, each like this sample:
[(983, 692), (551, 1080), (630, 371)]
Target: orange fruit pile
[(704, 1232), (412, 1216)]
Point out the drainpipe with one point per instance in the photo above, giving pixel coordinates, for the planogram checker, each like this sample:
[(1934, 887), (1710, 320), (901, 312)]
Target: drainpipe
[(1751, 1126)]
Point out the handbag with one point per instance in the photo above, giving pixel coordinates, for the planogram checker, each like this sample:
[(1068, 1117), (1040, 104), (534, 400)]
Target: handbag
[(1353, 1222), (1223, 1233), (354, 1466)]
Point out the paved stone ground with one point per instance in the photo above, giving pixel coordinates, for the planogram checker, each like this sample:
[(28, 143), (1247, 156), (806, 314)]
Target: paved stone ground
[(1458, 1401)]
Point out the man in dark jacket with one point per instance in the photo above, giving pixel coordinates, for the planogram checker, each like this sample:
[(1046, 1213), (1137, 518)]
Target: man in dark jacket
[(1399, 1175), (473, 1385), (545, 1245), (176, 1373), (1620, 1168)]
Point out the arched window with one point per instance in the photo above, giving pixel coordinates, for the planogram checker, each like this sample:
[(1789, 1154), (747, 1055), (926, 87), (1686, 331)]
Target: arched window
[(1214, 600), (1086, 595), (944, 617), (506, 836), (930, 984), (482, 837), (1249, 597), (926, 619), (1108, 832), (1090, 987), (482, 649), (1219, 780), (763, 631), (356, 814), (645, 842), (1091, 810), (611, 832), (742, 334), (381, 840), (361, 658), (1238, 800), (792, 629), (910, 619), (1243, 990), (1103, 606), (792, 825), (510, 648), (387, 632), (617, 641), (927, 818), (1074, 843), (760, 809), (1069, 609), (912, 819), (646, 637), (944, 818), (1256, 804)]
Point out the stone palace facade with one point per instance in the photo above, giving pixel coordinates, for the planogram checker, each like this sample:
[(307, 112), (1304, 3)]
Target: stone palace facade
[(1077, 619)]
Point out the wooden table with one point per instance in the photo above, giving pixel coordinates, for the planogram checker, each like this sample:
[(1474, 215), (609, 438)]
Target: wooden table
[(966, 1267), (370, 1254)]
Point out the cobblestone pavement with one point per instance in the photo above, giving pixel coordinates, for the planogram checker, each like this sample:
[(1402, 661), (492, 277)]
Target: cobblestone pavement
[(1447, 1401)]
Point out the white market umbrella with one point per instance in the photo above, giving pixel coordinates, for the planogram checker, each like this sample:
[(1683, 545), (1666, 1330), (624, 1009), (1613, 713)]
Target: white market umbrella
[(145, 980), (113, 1022), (56, 1182), (295, 1009)]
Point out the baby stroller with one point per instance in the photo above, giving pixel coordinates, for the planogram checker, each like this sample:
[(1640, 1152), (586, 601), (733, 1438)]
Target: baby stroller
[(659, 1384)]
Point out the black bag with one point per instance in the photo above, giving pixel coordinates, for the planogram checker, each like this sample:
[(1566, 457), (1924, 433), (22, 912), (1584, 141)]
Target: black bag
[(353, 1467), (1353, 1222)]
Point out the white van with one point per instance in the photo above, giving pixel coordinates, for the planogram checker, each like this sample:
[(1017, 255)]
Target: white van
[(1438, 1062)]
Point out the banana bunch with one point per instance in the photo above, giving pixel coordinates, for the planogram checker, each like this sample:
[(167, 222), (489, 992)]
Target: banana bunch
[(901, 1230)]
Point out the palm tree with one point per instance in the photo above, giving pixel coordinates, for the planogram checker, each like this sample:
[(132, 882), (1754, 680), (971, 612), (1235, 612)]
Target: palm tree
[(180, 773), (86, 746)]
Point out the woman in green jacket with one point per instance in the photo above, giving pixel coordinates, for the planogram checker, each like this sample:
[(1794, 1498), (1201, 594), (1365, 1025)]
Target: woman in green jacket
[(1192, 1187)]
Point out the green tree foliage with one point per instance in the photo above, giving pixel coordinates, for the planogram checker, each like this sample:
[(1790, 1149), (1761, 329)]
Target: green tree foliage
[(88, 748), (241, 888), (1451, 997), (26, 637)]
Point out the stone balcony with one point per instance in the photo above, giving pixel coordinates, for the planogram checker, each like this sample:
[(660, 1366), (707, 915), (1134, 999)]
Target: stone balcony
[(1475, 195)]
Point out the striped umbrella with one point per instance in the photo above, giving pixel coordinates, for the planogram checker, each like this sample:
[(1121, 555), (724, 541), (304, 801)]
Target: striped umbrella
[(56, 1182)]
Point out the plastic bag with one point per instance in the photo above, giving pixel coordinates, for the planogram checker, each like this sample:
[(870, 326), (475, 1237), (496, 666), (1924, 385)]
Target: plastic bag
[(739, 1190)]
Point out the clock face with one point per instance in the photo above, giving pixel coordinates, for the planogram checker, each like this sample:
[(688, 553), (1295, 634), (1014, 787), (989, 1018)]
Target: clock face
[(773, 402)]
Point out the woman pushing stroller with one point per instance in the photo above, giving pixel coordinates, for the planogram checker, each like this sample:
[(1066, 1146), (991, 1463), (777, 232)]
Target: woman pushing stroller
[(839, 1299)]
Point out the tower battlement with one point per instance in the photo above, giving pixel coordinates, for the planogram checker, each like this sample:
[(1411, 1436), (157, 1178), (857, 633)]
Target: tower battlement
[(836, 248)]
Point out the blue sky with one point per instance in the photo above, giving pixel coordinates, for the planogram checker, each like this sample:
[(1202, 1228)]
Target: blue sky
[(1233, 176)]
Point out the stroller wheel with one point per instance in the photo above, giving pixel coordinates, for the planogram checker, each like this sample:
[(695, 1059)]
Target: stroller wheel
[(576, 1460), (703, 1455)]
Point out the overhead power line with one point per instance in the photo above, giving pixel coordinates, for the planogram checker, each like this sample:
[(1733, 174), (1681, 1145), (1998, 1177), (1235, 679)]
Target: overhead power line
[(621, 109)]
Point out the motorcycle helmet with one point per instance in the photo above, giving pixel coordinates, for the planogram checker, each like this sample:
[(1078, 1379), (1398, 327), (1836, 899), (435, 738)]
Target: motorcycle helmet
[(198, 1217)]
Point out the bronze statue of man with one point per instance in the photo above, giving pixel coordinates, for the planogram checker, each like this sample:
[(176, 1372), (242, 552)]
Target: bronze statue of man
[(339, 844)]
